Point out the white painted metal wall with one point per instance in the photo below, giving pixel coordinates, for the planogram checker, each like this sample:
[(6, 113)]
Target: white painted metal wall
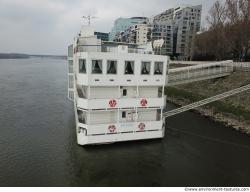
[(102, 117), (147, 115), (131, 92), (103, 92), (148, 92)]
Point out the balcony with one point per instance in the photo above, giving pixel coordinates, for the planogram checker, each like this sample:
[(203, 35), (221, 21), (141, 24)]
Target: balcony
[(120, 103)]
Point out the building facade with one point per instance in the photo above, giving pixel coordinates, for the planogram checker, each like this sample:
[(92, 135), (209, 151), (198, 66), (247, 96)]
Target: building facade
[(163, 30), (138, 34), (176, 26), (167, 15), (186, 21), (121, 24)]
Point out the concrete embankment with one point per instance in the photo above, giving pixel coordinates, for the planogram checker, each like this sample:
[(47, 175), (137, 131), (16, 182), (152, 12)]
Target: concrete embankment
[(233, 111)]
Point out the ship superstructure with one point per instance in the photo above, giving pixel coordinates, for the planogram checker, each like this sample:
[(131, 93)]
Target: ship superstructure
[(117, 90)]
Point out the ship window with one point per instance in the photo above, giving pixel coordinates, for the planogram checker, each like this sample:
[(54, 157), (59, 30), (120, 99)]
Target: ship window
[(129, 67), (124, 114), (111, 67), (158, 68), (82, 66), (145, 68), (124, 92), (96, 66), (82, 116)]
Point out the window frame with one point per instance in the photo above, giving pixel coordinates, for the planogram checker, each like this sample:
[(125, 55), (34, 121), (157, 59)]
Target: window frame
[(124, 91), (132, 64), (149, 62), (92, 66), (85, 62), (123, 116), (116, 65), (155, 67)]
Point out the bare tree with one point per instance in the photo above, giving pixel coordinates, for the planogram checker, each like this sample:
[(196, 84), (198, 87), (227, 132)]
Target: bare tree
[(238, 28), (217, 19), (228, 35), (232, 11), (244, 6), (217, 15)]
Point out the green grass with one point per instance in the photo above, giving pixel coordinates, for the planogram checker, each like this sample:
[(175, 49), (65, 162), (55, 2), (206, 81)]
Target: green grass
[(218, 106)]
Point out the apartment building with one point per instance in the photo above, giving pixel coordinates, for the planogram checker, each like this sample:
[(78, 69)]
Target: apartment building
[(121, 24), (186, 21), (176, 26), (138, 34), (163, 30)]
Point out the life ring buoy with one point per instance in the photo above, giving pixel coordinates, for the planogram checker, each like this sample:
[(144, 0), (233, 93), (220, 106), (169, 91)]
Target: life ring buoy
[(144, 102), (141, 126), (112, 128), (112, 103)]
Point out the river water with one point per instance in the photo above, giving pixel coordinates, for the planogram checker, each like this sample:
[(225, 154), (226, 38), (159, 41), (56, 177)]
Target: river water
[(38, 142)]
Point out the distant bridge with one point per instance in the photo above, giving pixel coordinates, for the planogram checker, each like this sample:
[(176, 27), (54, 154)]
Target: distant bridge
[(199, 72)]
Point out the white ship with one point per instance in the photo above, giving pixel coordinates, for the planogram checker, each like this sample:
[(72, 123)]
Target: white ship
[(117, 90)]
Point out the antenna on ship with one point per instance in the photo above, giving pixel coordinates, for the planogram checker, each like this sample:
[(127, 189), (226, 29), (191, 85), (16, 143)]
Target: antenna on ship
[(89, 17)]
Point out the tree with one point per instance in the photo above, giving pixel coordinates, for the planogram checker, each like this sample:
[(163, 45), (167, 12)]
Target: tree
[(216, 20), (228, 34), (238, 28)]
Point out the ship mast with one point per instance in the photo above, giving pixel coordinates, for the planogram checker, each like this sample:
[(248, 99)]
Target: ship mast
[(89, 17)]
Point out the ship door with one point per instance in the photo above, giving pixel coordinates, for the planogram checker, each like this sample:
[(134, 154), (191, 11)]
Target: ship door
[(134, 116), (124, 92), (129, 116)]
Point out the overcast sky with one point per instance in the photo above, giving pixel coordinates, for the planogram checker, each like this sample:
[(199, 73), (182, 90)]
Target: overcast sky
[(48, 26)]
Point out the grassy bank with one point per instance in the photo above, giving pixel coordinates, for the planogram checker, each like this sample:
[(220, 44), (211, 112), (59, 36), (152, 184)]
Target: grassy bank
[(234, 110)]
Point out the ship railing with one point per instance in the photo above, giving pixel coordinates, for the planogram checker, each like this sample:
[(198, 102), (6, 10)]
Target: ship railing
[(117, 128), (83, 119), (70, 51), (201, 70), (106, 49), (81, 94), (85, 122)]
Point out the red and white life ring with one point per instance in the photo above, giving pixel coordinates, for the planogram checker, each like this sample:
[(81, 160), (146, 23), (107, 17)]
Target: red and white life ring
[(112, 128), (112, 103), (141, 126), (144, 102)]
